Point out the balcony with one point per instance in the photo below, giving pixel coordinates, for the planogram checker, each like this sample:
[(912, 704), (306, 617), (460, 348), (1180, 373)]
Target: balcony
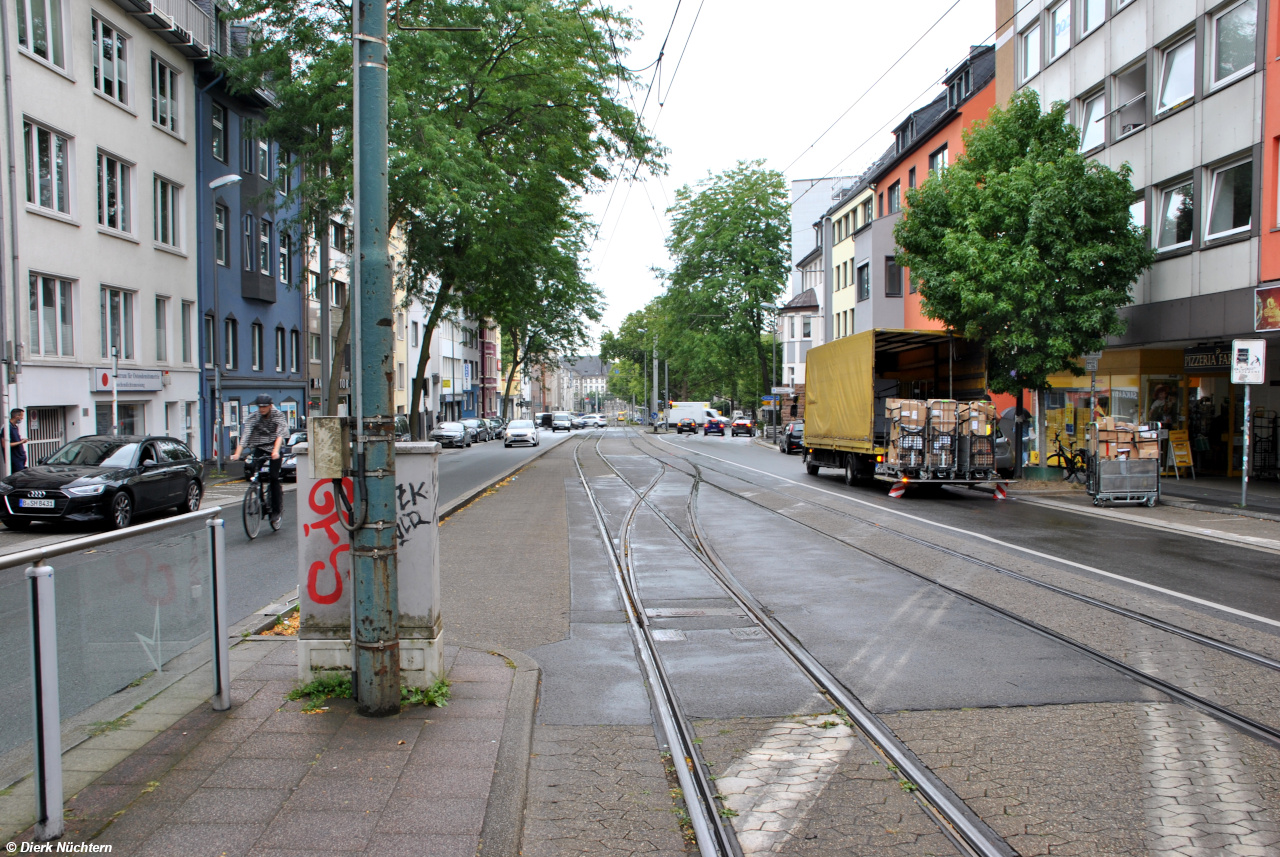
[(181, 23)]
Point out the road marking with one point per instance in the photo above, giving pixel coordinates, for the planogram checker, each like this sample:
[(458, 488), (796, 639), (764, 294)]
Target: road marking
[(1049, 557)]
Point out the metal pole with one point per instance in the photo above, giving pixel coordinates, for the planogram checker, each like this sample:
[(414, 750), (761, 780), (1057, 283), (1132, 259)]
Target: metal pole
[(655, 385), (218, 603), (373, 554), (115, 389), (1244, 463), (48, 734)]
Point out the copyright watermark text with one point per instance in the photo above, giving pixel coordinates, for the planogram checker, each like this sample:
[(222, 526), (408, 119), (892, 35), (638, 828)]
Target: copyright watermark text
[(58, 847)]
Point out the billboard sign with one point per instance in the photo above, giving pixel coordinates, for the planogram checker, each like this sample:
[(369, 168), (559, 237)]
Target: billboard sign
[(1249, 361)]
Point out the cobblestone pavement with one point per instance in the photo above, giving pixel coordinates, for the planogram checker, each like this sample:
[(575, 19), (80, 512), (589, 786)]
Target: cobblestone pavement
[(1108, 779)]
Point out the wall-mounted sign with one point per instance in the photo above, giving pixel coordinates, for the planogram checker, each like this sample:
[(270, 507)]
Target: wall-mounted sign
[(1250, 363), (1266, 308), (466, 376), (128, 380), (1215, 356)]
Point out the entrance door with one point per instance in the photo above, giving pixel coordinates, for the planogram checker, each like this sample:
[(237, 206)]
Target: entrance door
[(46, 432)]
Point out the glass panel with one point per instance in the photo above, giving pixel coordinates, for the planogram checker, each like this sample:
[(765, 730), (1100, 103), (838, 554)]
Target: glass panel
[(40, 28), (1094, 12), (33, 312), (1232, 199), (65, 319), (46, 168), (16, 703), (1235, 35), (55, 33), (122, 70), (1031, 53), (1138, 213), (1092, 131), (1177, 78), (1061, 29), (49, 314), (60, 173), (1176, 216)]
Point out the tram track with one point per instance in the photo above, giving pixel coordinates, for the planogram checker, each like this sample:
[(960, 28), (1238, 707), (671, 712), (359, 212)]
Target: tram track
[(960, 824), (1252, 726)]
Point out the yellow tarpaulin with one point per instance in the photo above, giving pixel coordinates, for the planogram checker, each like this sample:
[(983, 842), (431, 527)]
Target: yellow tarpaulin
[(839, 396)]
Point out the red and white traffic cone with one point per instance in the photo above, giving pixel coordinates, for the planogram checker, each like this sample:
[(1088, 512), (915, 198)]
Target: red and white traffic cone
[(898, 489), (1000, 492)]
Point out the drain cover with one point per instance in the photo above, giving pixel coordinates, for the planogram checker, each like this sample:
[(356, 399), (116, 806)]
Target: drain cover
[(747, 633), (691, 612), (669, 635)]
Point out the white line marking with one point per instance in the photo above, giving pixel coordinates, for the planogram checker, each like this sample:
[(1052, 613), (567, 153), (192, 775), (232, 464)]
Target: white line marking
[(1191, 598)]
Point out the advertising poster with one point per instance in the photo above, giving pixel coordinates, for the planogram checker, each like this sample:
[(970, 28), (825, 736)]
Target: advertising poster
[(1266, 308)]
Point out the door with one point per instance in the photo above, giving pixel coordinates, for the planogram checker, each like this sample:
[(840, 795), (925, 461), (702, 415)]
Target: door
[(46, 432), (154, 487)]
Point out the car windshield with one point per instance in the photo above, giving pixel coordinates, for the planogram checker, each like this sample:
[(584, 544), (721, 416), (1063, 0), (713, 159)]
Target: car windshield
[(449, 427), (95, 453), (562, 417), (521, 424)]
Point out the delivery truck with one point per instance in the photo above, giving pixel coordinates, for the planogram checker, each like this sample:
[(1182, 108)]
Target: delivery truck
[(900, 406), (696, 411)]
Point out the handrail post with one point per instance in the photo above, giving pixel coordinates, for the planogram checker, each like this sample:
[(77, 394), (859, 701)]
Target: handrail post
[(218, 604), (48, 722)]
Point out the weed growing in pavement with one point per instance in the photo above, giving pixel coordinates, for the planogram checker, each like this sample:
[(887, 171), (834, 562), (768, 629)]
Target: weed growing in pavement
[(320, 689), (728, 812), (907, 786), (140, 679), (437, 694), (102, 727)]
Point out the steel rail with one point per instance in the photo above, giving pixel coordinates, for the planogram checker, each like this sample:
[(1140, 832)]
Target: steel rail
[(954, 818), (37, 556), (707, 832)]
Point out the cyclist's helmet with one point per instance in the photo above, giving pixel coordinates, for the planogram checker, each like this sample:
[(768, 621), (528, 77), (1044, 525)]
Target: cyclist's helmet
[(264, 399)]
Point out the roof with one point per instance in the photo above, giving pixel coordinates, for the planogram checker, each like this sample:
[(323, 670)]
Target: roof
[(590, 365), (808, 299)]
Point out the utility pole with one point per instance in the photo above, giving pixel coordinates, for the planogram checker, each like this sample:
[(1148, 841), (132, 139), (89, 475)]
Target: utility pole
[(655, 384), (373, 554)]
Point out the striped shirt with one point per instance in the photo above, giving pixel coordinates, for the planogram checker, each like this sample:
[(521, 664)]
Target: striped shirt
[(259, 430)]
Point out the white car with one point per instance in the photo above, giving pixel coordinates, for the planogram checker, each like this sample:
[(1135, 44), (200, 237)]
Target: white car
[(521, 431), (595, 420), (561, 422)]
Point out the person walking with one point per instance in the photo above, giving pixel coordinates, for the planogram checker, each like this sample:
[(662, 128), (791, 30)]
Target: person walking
[(17, 443), (266, 430)]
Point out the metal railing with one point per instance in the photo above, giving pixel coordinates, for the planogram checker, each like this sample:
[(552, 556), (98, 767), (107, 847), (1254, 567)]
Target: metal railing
[(154, 571), (190, 17)]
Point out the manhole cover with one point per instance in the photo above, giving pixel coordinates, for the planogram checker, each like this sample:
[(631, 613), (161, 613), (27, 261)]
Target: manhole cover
[(669, 635)]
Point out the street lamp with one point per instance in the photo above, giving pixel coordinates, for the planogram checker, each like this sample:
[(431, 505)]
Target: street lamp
[(217, 184)]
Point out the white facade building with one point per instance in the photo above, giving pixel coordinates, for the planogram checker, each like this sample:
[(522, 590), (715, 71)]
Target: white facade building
[(103, 130)]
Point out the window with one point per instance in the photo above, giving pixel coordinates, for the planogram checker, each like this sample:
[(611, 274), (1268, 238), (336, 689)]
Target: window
[(250, 236), (1235, 34), (220, 215), (399, 376), (1138, 213), (188, 308), (51, 316), (1130, 94), (110, 61), (1060, 30), (911, 177), (162, 330), (958, 90), (115, 191), (413, 330), (280, 344), (264, 247), (208, 341), (792, 335), (1177, 75), (1092, 14), (806, 327), (880, 204), (255, 346), (1031, 53), (339, 290), (166, 211), (1120, 4), (399, 328), (295, 346), (313, 344), (895, 197), (1177, 214), (248, 148), (231, 343), (864, 282), (1092, 131), (892, 278), (264, 159), (48, 168), (868, 214), (218, 120), (338, 237), (284, 171), (1230, 200), (286, 260), (40, 30), (116, 322), (164, 96), (938, 160)]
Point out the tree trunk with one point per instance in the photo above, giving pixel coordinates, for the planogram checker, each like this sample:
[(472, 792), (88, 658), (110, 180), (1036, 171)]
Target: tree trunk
[(424, 356), (335, 367)]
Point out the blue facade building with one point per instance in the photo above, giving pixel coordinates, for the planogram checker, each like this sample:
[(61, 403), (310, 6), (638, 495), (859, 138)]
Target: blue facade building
[(253, 326)]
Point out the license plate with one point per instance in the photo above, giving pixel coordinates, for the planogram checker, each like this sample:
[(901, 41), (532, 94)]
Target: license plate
[(35, 504)]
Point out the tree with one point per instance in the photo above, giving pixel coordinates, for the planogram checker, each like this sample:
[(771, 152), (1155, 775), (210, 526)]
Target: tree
[(494, 135), (731, 241), (1025, 245)]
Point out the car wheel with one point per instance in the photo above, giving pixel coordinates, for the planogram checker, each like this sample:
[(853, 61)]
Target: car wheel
[(121, 514), (192, 501), (811, 468), (17, 524), (507, 445)]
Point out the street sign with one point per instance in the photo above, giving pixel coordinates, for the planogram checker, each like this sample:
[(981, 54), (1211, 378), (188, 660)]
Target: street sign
[(769, 400), (1248, 361), (653, 415), (1091, 361), (783, 391)]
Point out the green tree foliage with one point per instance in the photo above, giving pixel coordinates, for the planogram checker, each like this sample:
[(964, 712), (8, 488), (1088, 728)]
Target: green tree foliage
[(494, 135), (731, 241), (1025, 245)]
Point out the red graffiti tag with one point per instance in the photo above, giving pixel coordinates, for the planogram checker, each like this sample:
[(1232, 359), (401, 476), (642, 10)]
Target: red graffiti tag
[(324, 504)]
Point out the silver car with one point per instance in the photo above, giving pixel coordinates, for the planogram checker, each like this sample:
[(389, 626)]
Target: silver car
[(451, 434), (561, 422), (521, 431)]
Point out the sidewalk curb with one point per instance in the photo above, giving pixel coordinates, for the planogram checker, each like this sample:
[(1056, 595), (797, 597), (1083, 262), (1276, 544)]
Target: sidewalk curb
[(503, 825), (1191, 505)]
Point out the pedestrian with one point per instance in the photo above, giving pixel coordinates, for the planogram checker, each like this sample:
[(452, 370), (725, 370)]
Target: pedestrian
[(17, 443)]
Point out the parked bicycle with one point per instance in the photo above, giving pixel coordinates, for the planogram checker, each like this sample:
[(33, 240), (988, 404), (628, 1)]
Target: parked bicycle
[(257, 502), (1074, 462)]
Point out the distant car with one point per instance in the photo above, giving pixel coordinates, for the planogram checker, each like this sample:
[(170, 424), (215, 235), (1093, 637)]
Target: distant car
[(451, 434), (687, 425), (743, 426), (713, 426), (542, 419), (577, 422), (294, 439), (561, 422), (594, 421), (521, 431), (402, 428), (792, 438), (480, 431), (497, 426), (104, 477)]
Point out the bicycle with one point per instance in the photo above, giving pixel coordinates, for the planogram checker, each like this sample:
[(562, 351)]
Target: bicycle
[(257, 504), (1074, 462)]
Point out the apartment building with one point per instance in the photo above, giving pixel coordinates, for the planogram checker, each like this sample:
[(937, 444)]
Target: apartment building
[(102, 303), (1174, 88)]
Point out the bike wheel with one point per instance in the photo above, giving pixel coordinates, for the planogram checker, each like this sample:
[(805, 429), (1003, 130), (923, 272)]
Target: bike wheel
[(252, 511)]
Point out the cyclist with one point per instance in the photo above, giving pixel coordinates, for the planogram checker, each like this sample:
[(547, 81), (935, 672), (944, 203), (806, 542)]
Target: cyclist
[(266, 430)]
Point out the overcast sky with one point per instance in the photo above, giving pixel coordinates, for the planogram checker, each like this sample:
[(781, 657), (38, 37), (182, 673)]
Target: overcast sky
[(764, 80)]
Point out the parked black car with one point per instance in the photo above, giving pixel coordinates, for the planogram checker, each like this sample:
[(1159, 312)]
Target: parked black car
[(713, 426), (480, 431), (792, 437), (104, 477)]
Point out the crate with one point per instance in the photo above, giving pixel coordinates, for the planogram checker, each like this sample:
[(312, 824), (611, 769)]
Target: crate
[(977, 454), (1134, 481)]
